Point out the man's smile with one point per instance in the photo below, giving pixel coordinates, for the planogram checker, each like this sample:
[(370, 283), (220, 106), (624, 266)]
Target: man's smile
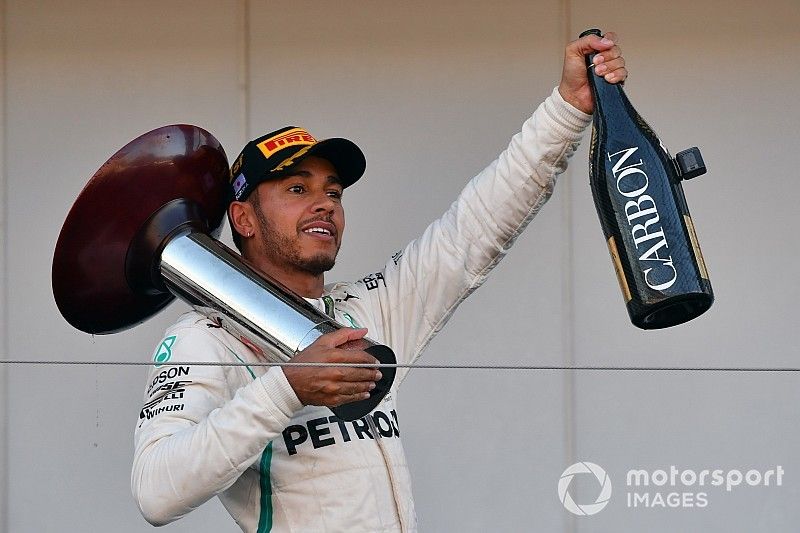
[(320, 229)]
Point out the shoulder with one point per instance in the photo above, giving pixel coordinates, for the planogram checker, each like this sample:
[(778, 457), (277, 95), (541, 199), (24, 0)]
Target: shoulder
[(369, 283), (193, 337)]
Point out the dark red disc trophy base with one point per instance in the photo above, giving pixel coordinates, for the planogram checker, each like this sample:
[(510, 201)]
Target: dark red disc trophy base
[(180, 163)]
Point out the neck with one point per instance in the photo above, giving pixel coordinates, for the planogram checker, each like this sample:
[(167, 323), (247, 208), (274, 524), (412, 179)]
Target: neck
[(307, 286), (300, 282)]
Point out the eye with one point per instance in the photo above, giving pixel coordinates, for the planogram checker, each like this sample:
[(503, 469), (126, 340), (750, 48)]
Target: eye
[(335, 193), (297, 189)]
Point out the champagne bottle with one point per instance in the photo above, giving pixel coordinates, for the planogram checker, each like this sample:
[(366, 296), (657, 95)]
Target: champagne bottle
[(637, 191)]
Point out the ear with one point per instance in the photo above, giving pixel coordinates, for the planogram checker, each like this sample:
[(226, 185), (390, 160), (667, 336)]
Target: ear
[(242, 218)]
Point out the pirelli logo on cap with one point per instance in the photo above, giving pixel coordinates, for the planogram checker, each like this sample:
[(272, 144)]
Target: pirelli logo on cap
[(293, 137)]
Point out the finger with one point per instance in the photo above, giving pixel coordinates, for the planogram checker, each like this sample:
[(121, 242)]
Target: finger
[(350, 334), (348, 398), (607, 55), (589, 44), (360, 357), (332, 391), (606, 67), (618, 76), (353, 389), (361, 375), (339, 337), (611, 35)]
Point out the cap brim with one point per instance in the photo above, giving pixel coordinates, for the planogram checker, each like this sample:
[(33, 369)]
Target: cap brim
[(344, 155)]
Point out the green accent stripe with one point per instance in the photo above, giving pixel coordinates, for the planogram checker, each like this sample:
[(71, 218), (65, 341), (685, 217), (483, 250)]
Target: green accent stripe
[(265, 520), (265, 516), (241, 361), (350, 319), (328, 306)]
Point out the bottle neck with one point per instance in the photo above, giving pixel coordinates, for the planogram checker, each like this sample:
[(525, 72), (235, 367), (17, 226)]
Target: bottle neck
[(609, 98)]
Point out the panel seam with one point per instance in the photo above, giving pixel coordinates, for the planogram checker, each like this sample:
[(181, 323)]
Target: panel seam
[(4, 344), (568, 296), (244, 69)]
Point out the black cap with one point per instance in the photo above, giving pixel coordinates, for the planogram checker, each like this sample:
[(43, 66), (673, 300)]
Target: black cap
[(273, 155), (591, 31)]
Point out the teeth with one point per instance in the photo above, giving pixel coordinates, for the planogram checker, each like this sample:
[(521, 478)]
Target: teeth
[(318, 230)]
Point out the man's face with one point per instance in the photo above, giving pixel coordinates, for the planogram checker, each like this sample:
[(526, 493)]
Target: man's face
[(300, 218)]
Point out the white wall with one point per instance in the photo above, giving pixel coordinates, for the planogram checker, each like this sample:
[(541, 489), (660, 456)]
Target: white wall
[(431, 91)]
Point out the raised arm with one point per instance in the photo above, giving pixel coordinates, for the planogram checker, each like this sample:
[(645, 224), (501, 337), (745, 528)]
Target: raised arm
[(423, 285)]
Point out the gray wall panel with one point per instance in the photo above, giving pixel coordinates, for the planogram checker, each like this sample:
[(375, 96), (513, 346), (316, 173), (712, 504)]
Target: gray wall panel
[(707, 75), (82, 80), (3, 300), (431, 92)]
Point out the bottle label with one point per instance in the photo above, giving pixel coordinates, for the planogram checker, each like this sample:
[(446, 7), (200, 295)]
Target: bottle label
[(644, 223), (623, 283), (696, 246)]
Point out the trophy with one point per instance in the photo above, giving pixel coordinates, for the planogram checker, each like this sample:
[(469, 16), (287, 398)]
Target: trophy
[(144, 230)]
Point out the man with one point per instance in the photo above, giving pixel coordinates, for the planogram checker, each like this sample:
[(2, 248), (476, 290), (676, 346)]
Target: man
[(262, 439)]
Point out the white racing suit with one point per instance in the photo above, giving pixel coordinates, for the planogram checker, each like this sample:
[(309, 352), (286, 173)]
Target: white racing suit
[(239, 432)]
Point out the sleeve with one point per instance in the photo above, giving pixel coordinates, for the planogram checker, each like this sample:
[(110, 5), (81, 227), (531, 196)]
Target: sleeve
[(421, 286), (195, 436)]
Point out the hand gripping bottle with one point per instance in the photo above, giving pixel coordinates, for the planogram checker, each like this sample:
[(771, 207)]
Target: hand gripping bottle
[(637, 191)]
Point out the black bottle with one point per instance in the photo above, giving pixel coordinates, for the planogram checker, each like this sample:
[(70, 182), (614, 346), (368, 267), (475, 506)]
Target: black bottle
[(637, 190)]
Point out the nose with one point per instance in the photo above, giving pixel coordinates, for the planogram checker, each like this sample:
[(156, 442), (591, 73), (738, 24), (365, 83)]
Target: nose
[(323, 203)]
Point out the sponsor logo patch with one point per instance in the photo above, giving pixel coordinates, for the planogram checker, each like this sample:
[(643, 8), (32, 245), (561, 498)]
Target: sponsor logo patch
[(293, 137), (171, 386), (236, 165), (239, 184), (167, 374), (327, 431), (164, 351), (373, 280), (171, 391)]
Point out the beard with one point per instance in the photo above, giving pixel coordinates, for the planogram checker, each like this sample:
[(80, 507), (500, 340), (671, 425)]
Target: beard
[(286, 249)]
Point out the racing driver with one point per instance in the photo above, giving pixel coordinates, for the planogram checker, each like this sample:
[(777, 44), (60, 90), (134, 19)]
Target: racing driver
[(262, 438)]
